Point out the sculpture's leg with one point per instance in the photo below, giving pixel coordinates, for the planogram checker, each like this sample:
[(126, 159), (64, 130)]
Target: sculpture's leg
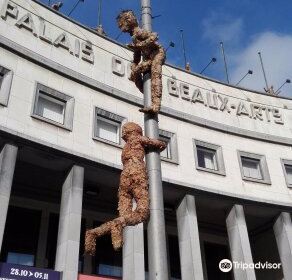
[(136, 74), (125, 208), (141, 196), (117, 233), (136, 77), (156, 82), (93, 234)]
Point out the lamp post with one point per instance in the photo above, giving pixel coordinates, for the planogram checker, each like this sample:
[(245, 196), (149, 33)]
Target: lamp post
[(288, 81), (213, 60), (171, 45), (249, 72), (74, 7), (157, 255)]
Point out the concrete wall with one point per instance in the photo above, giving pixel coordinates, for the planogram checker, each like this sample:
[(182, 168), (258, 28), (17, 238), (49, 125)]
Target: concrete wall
[(96, 85)]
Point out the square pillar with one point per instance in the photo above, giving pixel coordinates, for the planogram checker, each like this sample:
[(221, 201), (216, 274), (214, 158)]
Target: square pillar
[(189, 241), (67, 256), (7, 165), (239, 242), (283, 234), (133, 253)]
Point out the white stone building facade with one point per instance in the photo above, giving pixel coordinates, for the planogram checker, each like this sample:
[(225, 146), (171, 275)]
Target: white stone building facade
[(64, 94)]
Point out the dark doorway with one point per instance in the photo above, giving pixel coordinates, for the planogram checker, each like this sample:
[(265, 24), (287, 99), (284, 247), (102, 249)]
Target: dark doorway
[(21, 236), (214, 254)]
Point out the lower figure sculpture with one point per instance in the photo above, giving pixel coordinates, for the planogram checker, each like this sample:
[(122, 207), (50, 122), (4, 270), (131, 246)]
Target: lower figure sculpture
[(145, 47), (133, 185)]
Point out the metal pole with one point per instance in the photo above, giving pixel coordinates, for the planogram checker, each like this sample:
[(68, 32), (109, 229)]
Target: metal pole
[(225, 63), (213, 60), (262, 64), (242, 79), (157, 254), (74, 7), (184, 47), (99, 13)]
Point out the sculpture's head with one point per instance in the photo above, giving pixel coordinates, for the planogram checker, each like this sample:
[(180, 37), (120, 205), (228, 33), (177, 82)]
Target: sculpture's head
[(130, 129), (127, 21)]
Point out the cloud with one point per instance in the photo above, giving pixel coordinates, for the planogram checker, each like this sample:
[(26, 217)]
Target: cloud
[(277, 56), (221, 27)]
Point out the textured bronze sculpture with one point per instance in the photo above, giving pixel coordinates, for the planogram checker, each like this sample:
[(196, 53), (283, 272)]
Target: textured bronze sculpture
[(133, 185), (145, 47)]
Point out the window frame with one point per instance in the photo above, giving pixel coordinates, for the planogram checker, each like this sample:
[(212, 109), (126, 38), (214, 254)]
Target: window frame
[(5, 85), (262, 165), (285, 162), (59, 97), (218, 155), (172, 146), (110, 118)]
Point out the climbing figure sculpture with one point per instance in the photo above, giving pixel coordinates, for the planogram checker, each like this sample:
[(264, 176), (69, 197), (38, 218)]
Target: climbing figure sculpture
[(149, 55), (133, 185)]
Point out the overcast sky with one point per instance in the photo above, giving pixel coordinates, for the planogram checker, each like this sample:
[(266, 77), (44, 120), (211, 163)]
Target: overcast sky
[(245, 26)]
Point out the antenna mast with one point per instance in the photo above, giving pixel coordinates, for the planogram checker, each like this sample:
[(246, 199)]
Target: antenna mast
[(263, 69), (184, 47), (99, 13), (225, 63)]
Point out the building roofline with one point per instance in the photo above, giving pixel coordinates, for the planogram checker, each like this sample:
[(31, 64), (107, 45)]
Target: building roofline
[(225, 84), (167, 64)]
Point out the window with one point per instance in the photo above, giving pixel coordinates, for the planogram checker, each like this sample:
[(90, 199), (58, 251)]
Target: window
[(253, 167), (170, 153), (107, 126), (1, 78), (287, 168), (108, 130), (23, 259), (5, 85), (51, 108), (166, 153), (209, 157), (54, 107)]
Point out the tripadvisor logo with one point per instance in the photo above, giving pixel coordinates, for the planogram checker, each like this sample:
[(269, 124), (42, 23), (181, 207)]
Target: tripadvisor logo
[(226, 265)]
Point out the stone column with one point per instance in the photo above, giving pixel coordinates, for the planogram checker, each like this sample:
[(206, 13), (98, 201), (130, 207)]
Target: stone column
[(42, 242), (239, 242), (283, 234), (7, 165), (67, 256), (189, 241), (133, 253)]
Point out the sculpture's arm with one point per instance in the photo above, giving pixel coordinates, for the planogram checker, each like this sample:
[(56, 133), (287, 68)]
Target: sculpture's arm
[(153, 143)]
